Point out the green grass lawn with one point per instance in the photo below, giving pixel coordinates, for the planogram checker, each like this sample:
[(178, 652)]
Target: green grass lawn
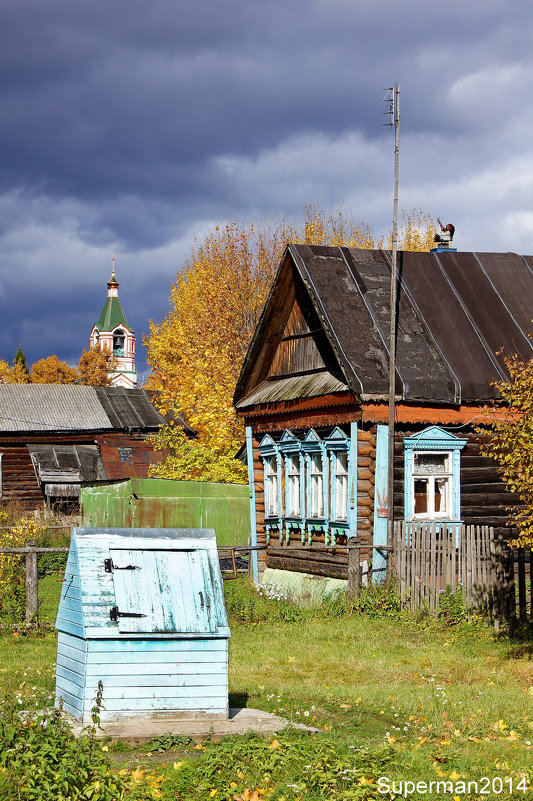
[(390, 697)]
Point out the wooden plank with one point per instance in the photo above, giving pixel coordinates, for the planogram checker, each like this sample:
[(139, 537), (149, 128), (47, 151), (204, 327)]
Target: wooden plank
[(71, 702), (147, 668), (175, 684), (216, 701), (73, 665), (69, 627), (158, 645), (64, 674), (313, 568), (125, 658)]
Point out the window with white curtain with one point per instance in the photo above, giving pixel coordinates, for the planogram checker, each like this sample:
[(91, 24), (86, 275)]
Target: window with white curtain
[(316, 468), (432, 477), (293, 479), (340, 479), (271, 487)]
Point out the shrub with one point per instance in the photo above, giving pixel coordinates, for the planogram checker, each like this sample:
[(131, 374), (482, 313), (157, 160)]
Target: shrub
[(12, 575), (41, 759), (374, 600), (246, 603)]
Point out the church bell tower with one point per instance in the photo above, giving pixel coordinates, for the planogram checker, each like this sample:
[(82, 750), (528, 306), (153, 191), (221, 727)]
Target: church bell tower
[(112, 331)]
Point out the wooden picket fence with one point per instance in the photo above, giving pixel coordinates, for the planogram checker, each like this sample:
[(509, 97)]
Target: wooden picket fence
[(428, 558)]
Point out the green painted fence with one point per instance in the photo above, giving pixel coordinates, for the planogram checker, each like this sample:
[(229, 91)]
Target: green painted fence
[(163, 503)]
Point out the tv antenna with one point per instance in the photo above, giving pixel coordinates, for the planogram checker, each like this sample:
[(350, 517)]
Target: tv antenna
[(392, 98)]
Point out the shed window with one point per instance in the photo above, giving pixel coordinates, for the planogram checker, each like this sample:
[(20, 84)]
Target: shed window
[(292, 468), (1, 477), (316, 468), (271, 487), (340, 479)]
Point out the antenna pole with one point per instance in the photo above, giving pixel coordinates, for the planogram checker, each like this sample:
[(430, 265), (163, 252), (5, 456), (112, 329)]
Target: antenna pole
[(395, 113)]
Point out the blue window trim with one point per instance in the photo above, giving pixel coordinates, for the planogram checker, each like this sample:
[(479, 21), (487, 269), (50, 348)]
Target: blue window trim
[(269, 448), (311, 445), (438, 440), (338, 442), (305, 448)]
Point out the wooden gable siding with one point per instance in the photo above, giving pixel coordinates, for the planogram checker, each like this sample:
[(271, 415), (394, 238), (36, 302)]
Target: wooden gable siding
[(303, 347)]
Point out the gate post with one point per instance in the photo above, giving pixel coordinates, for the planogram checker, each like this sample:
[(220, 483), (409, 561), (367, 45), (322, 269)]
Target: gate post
[(32, 590), (354, 568)]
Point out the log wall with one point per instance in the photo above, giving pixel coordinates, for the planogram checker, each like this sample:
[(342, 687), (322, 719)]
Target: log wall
[(484, 500)]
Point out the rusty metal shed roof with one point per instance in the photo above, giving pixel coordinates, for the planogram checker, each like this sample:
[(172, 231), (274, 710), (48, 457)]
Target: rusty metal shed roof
[(456, 311), (67, 407)]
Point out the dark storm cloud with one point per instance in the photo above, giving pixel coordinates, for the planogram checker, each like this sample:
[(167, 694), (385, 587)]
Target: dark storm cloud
[(107, 99), (131, 126)]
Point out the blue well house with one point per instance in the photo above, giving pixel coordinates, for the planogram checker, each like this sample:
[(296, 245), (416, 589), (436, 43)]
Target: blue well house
[(142, 611)]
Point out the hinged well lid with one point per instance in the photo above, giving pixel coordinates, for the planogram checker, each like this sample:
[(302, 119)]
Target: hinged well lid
[(143, 583)]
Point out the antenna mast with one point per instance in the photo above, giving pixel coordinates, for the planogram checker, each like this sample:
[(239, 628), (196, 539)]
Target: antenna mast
[(393, 99)]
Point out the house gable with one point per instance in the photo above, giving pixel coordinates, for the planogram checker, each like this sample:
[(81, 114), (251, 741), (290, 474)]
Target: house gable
[(291, 354)]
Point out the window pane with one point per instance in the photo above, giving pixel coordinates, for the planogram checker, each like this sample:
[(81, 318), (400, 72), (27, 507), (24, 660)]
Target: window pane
[(342, 464), (271, 487), (293, 474), (441, 485), (430, 463), (317, 485), (421, 495), (341, 497)]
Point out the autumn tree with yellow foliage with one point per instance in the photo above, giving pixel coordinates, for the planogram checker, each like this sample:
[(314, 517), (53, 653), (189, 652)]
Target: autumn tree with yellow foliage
[(197, 351), (511, 443), (94, 368), (53, 371)]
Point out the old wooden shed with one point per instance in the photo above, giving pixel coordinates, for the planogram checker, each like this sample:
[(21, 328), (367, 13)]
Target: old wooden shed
[(142, 611), (54, 437), (313, 396)]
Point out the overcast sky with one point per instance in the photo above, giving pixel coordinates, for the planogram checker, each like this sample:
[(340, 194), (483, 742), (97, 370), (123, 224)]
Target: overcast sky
[(132, 126)]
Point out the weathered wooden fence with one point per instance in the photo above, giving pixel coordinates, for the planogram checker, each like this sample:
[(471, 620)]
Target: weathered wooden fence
[(427, 558)]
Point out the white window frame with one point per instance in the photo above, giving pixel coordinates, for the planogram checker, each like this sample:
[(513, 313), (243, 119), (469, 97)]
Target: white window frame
[(272, 499), (434, 440), (293, 484), (340, 484), (432, 478)]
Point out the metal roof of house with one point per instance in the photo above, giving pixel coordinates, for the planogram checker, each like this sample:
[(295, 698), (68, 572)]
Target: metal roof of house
[(456, 311), (67, 407)]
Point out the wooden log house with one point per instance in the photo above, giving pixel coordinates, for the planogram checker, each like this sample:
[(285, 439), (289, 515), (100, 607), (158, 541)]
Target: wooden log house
[(54, 437), (313, 396)]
